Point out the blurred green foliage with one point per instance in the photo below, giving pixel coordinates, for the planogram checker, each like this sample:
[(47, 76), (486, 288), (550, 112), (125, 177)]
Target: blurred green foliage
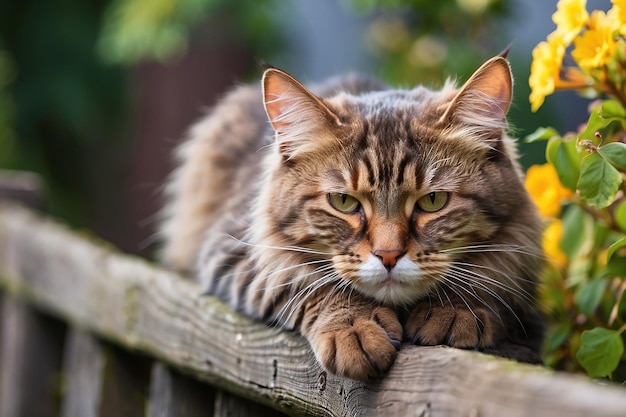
[(429, 41), (7, 135), (135, 30), (65, 111), (66, 95), (422, 41), (64, 100)]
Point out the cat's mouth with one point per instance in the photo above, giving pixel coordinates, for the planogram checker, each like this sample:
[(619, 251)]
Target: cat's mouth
[(402, 284)]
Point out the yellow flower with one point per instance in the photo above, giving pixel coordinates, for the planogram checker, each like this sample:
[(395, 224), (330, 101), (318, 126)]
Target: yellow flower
[(545, 189), (545, 69), (570, 17), (598, 44), (551, 240), (619, 9)]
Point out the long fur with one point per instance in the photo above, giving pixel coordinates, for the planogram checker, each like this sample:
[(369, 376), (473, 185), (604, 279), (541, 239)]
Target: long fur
[(249, 212)]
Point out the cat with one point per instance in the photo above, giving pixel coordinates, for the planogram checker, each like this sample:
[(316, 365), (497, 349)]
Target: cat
[(363, 216)]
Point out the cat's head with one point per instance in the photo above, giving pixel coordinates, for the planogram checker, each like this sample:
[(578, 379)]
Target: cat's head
[(400, 190)]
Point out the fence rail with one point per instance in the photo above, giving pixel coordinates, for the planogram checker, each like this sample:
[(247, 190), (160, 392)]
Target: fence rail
[(135, 339)]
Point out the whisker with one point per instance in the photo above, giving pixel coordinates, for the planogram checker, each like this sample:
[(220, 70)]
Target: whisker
[(297, 279), (463, 277), (489, 291), (519, 291), (481, 248), (300, 265), (439, 296), (284, 248), (327, 280), (452, 287), (301, 296)]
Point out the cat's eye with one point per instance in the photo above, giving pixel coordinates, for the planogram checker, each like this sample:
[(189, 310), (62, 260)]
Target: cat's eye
[(433, 201), (344, 203)]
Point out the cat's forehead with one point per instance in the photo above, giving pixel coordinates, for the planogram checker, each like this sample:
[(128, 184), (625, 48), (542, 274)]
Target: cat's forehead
[(396, 102), (399, 145), (396, 122), (390, 115)]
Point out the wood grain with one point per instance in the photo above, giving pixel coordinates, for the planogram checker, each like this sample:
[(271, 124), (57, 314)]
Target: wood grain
[(142, 307)]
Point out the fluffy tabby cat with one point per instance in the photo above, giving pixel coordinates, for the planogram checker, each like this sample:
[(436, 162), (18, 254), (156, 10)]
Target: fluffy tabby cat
[(363, 216)]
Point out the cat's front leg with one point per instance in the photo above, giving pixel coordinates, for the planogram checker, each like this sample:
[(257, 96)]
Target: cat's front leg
[(453, 322), (354, 338)]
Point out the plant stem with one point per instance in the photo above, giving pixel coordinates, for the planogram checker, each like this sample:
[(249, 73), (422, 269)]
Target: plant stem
[(613, 89)]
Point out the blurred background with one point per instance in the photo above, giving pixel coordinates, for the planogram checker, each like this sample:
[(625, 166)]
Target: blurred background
[(95, 94)]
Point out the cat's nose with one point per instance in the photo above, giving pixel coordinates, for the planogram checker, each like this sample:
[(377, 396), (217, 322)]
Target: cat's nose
[(389, 257)]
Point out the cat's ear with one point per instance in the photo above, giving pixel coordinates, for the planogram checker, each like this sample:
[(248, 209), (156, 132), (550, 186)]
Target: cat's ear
[(295, 113), (485, 98)]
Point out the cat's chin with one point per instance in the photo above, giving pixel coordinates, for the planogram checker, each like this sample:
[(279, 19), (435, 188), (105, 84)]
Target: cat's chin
[(394, 293), (402, 285)]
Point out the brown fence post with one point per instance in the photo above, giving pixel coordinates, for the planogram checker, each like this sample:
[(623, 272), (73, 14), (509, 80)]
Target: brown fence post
[(83, 370), (30, 364), (174, 395)]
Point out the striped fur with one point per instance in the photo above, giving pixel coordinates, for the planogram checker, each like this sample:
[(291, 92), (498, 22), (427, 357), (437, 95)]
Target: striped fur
[(249, 212)]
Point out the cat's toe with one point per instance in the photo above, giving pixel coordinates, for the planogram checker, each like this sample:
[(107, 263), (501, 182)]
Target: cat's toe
[(455, 326), (362, 350), (397, 343), (387, 319)]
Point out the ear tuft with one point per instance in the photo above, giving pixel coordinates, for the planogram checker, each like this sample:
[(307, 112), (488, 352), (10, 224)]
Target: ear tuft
[(485, 98), (294, 112)]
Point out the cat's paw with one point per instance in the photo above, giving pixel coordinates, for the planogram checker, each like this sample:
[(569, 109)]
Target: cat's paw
[(455, 326), (361, 346)]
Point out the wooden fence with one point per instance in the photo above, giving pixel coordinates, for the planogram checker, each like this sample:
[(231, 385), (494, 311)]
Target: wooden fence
[(88, 331)]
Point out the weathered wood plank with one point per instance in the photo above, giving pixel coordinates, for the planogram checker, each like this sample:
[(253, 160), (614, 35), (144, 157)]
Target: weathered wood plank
[(125, 385), (25, 187), (142, 307), (102, 381), (83, 375), (175, 395), (32, 346)]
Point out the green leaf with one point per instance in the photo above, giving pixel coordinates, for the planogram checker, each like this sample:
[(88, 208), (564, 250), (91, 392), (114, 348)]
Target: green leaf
[(616, 267), (614, 247), (577, 232), (600, 351), (616, 259), (615, 153), (551, 148), (620, 215), (589, 295), (542, 133), (562, 153), (601, 117), (595, 124), (612, 109), (599, 181), (557, 335)]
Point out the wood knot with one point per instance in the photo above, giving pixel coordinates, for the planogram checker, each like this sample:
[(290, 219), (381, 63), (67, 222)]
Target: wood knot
[(274, 373), (321, 381)]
